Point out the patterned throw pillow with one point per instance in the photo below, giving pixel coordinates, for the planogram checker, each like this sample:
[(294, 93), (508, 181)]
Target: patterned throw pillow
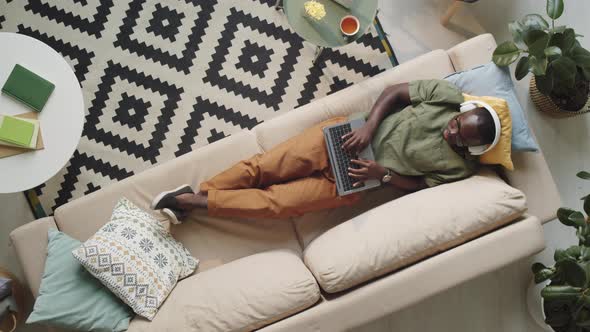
[(136, 258)]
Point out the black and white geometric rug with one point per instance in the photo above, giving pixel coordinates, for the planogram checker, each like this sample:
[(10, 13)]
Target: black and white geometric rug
[(163, 77)]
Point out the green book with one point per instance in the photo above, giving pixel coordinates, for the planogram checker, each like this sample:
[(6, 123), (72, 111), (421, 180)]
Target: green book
[(28, 88), (16, 131)]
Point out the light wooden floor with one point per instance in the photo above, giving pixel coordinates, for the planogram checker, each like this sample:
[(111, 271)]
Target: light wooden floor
[(494, 302)]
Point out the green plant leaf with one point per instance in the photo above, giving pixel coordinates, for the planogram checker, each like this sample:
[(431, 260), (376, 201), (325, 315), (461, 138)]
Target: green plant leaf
[(559, 321), (584, 233), (580, 236), (564, 72), (563, 216), (544, 275), (583, 175), (565, 40), (586, 267), (577, 218), (581, 57), (545, 82), (538, 65), (554, 8), (522, 68), (560, 316), (552, 51), (537, 41), (574, 251), (585, 254), (584, 198), (583, 316), (564, 293), (536, 267), (582, 312), (534, 22), (505, 54), (569, 39), (575, 274), (560, 255), (517, 30), (587, 205)]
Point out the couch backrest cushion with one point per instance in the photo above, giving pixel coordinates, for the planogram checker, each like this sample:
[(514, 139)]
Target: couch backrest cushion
[(357, 98), (82, 217), (411, 228)]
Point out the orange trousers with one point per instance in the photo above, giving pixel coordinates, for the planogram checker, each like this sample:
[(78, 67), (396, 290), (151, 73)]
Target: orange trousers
[(291, 179)]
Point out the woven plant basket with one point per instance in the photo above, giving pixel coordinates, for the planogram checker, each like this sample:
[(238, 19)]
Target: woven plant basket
[(547, 106)]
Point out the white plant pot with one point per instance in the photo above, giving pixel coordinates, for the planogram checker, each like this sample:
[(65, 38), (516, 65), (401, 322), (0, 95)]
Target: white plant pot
[(534, 303)]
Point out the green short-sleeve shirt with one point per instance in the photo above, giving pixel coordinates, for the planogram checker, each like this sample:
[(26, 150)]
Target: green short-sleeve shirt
[(410, 142)]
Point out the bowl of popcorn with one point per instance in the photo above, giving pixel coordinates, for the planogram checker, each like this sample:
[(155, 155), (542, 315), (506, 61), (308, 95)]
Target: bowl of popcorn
[(314, 10)]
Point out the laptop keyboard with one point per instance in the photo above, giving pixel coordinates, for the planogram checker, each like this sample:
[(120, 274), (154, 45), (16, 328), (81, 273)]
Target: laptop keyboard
[(343, 157)]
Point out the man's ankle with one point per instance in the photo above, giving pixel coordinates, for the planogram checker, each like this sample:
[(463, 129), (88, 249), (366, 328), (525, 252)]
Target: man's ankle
[(184, 201)]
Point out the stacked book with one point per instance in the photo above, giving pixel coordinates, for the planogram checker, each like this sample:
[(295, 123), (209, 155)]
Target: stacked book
[(18, 132), (21, 132)]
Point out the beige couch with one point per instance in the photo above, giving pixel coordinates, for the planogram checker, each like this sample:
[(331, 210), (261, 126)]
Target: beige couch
[(330, 270)]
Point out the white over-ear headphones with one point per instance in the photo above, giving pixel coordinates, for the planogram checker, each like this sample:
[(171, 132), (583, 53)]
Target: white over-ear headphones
[(471, 105)]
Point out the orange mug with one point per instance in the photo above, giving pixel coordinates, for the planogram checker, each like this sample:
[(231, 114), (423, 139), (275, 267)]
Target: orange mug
[(350, 25)]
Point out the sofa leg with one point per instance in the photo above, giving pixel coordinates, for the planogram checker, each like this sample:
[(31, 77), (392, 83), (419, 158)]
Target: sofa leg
[(453, 8)]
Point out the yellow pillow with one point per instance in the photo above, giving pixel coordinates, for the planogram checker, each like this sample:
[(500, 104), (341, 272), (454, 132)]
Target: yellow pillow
[(501, 153)]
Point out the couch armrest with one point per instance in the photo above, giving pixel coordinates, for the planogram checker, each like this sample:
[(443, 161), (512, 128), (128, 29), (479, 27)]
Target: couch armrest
[(473, 52), (30, 243), (531, 175)]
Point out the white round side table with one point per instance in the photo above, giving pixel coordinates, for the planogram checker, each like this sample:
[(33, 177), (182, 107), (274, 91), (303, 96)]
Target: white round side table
[(62, 118)]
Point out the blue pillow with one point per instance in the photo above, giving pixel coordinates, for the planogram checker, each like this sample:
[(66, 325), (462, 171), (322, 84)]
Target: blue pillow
[(70, 297), (491, 80)]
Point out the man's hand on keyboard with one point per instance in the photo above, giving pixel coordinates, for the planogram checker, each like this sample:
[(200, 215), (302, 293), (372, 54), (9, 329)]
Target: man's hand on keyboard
[(368, 169), (358, 139)]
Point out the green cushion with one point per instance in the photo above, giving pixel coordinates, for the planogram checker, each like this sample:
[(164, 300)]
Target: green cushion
[(70, 297)]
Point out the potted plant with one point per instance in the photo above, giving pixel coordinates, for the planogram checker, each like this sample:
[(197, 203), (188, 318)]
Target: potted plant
[(566, 298), (560, 65)]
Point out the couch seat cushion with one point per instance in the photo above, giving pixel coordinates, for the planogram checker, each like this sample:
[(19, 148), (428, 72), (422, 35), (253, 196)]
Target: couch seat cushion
[(215, 241), (243, 295), (411, 228)]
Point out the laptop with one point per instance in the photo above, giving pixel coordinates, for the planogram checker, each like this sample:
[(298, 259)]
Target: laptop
[(340, 159)]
